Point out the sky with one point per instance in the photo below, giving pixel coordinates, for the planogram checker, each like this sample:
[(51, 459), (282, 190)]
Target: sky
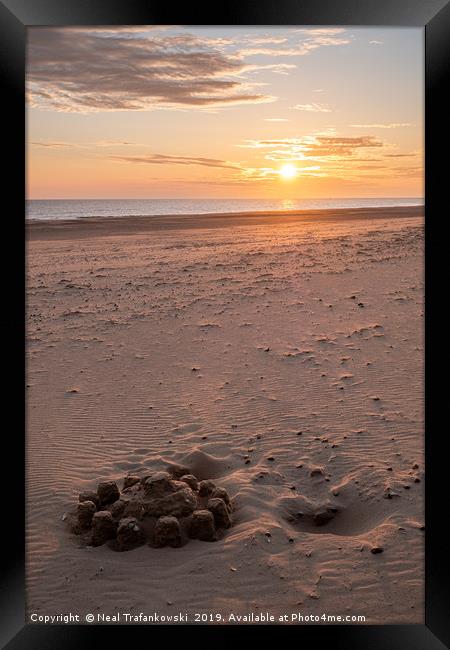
[(224, 112)]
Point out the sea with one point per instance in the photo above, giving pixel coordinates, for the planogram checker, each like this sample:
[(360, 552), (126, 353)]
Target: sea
[(56, 209)]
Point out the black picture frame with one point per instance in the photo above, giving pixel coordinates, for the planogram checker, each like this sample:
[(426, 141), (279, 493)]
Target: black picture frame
[(15, 17)]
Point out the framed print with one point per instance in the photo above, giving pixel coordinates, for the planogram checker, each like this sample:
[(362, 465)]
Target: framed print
[(222, 289)]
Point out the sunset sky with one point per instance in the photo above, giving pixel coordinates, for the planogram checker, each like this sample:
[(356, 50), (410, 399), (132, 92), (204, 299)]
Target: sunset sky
[(225, 112)]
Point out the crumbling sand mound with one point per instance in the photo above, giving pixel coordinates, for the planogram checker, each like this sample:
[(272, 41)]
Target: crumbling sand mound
[(159, 509)]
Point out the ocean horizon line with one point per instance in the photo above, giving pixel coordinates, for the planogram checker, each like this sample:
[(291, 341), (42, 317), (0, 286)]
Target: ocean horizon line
[(187, 198), (69, 209)]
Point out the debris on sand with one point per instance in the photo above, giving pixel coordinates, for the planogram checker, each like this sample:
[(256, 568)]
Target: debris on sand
[(376, 549)]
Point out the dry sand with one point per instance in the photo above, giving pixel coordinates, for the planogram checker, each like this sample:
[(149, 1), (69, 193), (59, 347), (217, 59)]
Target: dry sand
[(306, 331)]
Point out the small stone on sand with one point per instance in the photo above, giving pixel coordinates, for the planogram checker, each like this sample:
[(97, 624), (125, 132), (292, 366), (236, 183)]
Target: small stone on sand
[(376, 549)]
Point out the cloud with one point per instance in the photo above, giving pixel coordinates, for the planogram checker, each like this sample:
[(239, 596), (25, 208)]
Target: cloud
[(321, 31), (312, 40), (112, 143), (270, 173), (328, 155), (399, 155), (80, 145), (374, 42), (163, 159), (389, 125), (276, 119), (266, 40), (326, 146), (312, 108), (280, 68), (51, 145), (73, 69), (416, 172), (313, 146), (80, 69), (239, 173)]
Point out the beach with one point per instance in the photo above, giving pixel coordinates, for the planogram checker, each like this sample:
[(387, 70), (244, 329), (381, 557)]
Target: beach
[(279, 354)]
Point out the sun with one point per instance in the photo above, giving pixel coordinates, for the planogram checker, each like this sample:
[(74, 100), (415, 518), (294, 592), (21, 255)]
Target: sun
[(288, 171)]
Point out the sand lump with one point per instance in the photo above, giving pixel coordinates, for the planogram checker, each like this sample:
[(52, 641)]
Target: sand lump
[(158, 509)]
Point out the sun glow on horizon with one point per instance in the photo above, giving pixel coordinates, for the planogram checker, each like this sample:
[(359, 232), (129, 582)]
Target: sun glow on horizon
[(240, 115), (288, 171)]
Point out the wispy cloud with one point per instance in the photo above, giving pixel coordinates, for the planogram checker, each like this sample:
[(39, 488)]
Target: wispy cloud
[(80, 69), (400, 155), (280, 68), (389, 125), (273, 173), (313, 146), (73, 69), (310, 40), (80, 145), (321, 31), (113, 143), (312, 108), (163, 159), (276, 119), (51, 145), (240, 173), (265, 39)]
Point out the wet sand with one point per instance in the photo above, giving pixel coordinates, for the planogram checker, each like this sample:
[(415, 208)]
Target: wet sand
[(101, 226)]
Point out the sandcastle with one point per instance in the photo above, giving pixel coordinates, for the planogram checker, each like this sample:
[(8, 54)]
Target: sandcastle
[(165, 508)]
